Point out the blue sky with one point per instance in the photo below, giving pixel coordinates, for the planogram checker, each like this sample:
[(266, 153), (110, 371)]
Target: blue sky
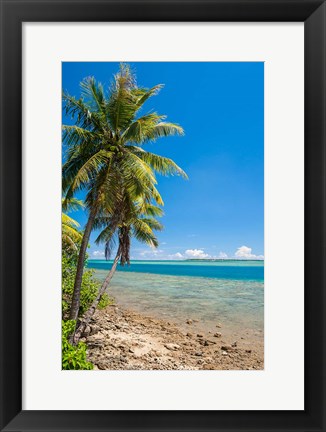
[(219, 211)]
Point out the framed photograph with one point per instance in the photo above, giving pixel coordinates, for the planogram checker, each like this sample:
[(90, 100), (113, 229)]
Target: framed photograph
[(163, 215)]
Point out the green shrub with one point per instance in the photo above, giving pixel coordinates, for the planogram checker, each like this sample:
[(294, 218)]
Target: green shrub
[(73, 357), (89, 287)]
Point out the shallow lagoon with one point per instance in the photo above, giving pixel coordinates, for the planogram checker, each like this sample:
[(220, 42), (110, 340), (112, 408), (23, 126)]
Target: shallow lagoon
[(226, 292)]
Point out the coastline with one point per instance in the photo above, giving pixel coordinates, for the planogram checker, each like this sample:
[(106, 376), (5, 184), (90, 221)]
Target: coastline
[(122, 339)]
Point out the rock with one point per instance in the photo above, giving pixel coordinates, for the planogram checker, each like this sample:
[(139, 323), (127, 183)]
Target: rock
[(248, 351), (206, 342), (131, 350), (227, 348), (234, 344), (95, 337), (190, 335), (219, 325), (102, 365), (172, 347), (87, 331), (225, 353), (198, 354), (189, 321), (200, 335), (209, 367), (217, 335), (96, 344), (94, 329)]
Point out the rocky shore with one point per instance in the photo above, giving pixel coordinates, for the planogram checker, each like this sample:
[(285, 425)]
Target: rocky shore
[(122, 339)]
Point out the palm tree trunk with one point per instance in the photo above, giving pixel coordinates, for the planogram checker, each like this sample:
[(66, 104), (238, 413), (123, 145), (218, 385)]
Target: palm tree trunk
[(90, 312), (80, 265)]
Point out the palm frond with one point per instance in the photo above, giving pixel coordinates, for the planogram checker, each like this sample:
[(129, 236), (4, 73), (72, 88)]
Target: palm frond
[(68, 243), (107, 236), (68, 221), (153, 223), (161, 164), (145, 207), (70, 235), (138, 177), (153, 193), (87, 172), (139, 129), (145, 94), (101, 222), (74, 136), (143, 233), (162, 129), (71, 205), (93, 93), (122, 103), (71, 231), (81, 113)]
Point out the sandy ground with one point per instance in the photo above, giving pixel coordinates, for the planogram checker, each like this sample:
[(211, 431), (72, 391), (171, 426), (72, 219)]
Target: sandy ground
[(122, 339)]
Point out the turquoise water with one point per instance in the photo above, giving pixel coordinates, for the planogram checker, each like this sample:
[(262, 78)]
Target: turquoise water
[(235, 270), (226, 292)]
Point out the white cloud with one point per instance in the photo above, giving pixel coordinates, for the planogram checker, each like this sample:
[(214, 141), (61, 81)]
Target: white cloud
[(160, 254), (196, 253), (98, 253), (151, 253), (244, 252), (177, 255)]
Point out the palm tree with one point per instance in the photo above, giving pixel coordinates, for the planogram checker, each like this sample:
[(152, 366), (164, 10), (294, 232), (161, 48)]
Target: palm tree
[(135, 219), (104, 145), (70, 234)]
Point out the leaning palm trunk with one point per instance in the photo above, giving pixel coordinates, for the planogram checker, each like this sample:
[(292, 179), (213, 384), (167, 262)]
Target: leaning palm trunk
[(80, 266), (90, 312)]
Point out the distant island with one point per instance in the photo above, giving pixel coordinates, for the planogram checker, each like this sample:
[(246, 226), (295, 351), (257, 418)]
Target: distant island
[(220, 259)]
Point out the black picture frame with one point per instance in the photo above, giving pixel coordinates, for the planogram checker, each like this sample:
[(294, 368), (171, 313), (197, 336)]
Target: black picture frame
[(13, 14)]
